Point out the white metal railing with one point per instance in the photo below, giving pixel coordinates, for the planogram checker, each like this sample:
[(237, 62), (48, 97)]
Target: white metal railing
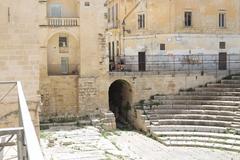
[(28, 146), (57, 22)]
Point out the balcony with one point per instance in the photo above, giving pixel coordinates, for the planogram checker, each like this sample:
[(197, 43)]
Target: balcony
[(63, 22), (62, 69), (63, 13)]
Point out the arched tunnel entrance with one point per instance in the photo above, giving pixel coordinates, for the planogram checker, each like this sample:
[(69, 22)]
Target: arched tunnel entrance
[(120, 99)]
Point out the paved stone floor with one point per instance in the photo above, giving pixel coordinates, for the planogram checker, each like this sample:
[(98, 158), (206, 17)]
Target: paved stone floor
[(89, 143), (10, 152)]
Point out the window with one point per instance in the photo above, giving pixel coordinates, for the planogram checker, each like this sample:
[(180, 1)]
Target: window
[(118, 54), (9, 14), (64, 65), (116, 16), (106, 16), (109, 15), (222, 20), (162, 47), (111, 56), (222, 45), (141, 21), (109, 50), (116, 12), (63, 42), (188, 19), (113, 15), (113, 51), (222, 61), (63, 45), (87, 4), (55, 10)]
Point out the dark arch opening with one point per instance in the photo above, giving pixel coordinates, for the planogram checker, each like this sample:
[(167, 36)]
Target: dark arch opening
[(120, 99)]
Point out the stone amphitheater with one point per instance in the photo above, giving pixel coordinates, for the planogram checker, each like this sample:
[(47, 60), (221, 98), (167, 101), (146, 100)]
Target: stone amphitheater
[(206, 116)]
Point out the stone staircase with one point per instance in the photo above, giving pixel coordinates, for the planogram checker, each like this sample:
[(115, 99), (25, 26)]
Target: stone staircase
[(207, 116)]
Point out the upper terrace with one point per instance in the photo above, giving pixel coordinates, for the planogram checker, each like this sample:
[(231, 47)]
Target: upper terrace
[(216, 64), (63, 13)]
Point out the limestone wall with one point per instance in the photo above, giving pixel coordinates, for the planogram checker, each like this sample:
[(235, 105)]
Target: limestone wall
[(164, 16), (19, 47), (88, 96), (144, 86), (177, 44), (59, 96), (9, 116), (94, 92), (19, 56), (69, 95), (92, 43)]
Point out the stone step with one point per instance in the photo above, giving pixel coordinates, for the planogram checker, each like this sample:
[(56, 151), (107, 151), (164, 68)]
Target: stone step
[(86, 154), (205, 144), (209, 93), (194, 107), (236, 122), (198, 117), (235, 127), (49, 125), (197, 122), (201, 139), (197, 97), (237, 119), (221, 85), (198, 134), (236, 77), (191, 116), (230, 81), (181, 111), (216, 89), (237, 131), (198, 102), (188, 128)]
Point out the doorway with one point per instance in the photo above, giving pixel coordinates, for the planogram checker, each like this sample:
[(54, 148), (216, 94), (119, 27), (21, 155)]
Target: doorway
[(120, 97), (222, 61), (141, 61), (64, 65)]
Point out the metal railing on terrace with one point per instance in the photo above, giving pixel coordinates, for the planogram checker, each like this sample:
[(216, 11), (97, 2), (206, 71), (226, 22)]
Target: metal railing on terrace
[(23, 137), (173, 64), (65, 22), (62, 69)]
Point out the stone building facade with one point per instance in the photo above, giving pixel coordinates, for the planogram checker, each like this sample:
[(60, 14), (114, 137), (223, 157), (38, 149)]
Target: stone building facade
[(72, 46), (168, 27), (64, 50), (19, 58)]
